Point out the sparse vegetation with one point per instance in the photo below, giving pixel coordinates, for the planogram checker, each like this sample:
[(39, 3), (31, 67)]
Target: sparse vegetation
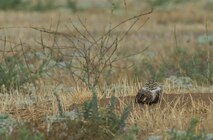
[(13, 73), (165, 2), (42, 5), (21, 132), (35, 5), (10, 4), (181, 62), (76, 76), (189, 134), (72, 4)]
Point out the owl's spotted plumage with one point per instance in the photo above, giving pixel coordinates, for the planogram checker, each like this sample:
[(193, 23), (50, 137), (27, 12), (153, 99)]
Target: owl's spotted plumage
[(151, 85), (149, 94)]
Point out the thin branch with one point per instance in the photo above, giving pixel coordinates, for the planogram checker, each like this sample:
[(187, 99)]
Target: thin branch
[(134, 17), (95, 42)]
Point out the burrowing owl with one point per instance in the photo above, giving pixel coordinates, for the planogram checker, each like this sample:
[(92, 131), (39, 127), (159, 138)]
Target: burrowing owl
[(149, 94)]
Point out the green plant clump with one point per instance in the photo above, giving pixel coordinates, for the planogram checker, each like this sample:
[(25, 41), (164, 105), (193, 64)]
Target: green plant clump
[(37, 5), (197, 65), (105, 123), (160, 3), (42, 5), (13, 73), (72, 4), (21, 132), (10, 4), (94, 123)]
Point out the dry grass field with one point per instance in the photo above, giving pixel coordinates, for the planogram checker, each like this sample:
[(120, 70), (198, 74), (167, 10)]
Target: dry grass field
[(152, 39)]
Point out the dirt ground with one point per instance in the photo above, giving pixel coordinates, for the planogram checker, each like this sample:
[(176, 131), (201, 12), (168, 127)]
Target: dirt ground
[(187, 99)]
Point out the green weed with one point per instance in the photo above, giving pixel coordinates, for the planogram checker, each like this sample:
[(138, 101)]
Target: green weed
[(10, 4), (165, 4), (72, 4), (95, 123), (181, 62), (43, 5), (21, 132), (13, 72)]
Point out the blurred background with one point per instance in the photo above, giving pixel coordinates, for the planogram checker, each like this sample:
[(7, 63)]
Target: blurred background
[(175, 39)]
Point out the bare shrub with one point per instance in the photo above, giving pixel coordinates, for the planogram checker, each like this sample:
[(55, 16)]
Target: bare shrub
[(86, 56)]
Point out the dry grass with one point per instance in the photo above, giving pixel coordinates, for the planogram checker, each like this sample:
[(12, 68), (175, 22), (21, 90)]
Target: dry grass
[(152, 120), (156, 120), (158, 33)]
